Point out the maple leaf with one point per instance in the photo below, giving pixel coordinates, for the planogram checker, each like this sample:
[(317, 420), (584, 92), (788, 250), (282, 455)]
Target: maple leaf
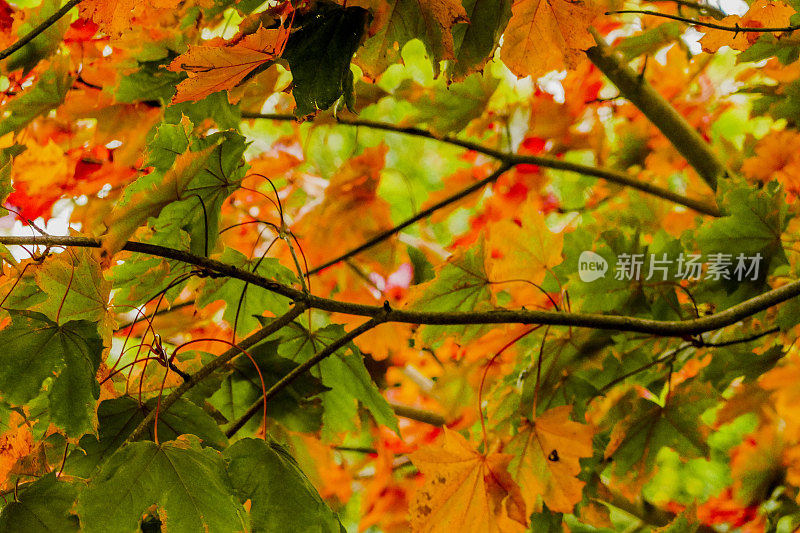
[(115, 16), (352, 191), (148, 199), (761, 14), (399, 21), (545, 35), (547, 453), (76, 290), (523, 248), (213, 68), (465, 490)]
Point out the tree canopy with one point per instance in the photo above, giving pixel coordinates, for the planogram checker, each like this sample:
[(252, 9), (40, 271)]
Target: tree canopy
[(399, 265)]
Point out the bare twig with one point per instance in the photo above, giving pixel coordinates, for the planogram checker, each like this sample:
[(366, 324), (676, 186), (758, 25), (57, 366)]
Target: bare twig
[(35, 32)]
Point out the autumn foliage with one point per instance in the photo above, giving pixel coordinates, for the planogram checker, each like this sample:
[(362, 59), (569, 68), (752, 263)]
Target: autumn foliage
[(399, 265)]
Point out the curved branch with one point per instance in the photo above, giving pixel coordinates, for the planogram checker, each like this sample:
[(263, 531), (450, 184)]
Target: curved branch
[(35, 32), (680, 133), (215, 364), (663, 328), (612, 176)]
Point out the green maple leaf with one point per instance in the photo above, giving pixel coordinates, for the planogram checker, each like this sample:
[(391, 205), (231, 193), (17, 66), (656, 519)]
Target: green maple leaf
[(753, 223), (474, 42), (188, 483), (41, 506), (283, 499), (430, 22), (648, 426), (449, 108), (118, 417), (343, 373), (75, 289), (245, 300), (47, 94), (292, 407), (461, 284), (37, 350), (319, 56)]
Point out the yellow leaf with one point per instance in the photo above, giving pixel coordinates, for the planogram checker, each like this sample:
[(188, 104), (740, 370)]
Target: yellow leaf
[(522, 248), (762, 14), (545, 35), (215, 68), (547, 459), (465, 491)]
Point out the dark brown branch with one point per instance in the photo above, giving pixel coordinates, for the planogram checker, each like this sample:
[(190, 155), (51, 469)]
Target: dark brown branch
[(419, 216), (298, 371), (710, 25), (680, 133), (217, 363), (612, 176), (662, 328), (35, 32)]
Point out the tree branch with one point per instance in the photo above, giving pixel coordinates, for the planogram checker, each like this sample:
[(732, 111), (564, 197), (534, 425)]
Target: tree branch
[(286, 380), (674, 127), (663, 328), (612, 176), (217, 363), (419, 216), (35, 32), (711, 25), (420, 415)]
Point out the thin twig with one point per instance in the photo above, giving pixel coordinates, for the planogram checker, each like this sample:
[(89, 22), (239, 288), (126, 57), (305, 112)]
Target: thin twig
[(35, 32), (711, 10), (477, 186), (710, 25), (217, 363)]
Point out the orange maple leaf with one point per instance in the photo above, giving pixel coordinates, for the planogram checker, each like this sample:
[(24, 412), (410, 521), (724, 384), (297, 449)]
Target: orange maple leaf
[(351, 211), (762, 14), (465, 490), (547, 459), (522, 248), (114, 16), (545, 35), (216, 68)]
